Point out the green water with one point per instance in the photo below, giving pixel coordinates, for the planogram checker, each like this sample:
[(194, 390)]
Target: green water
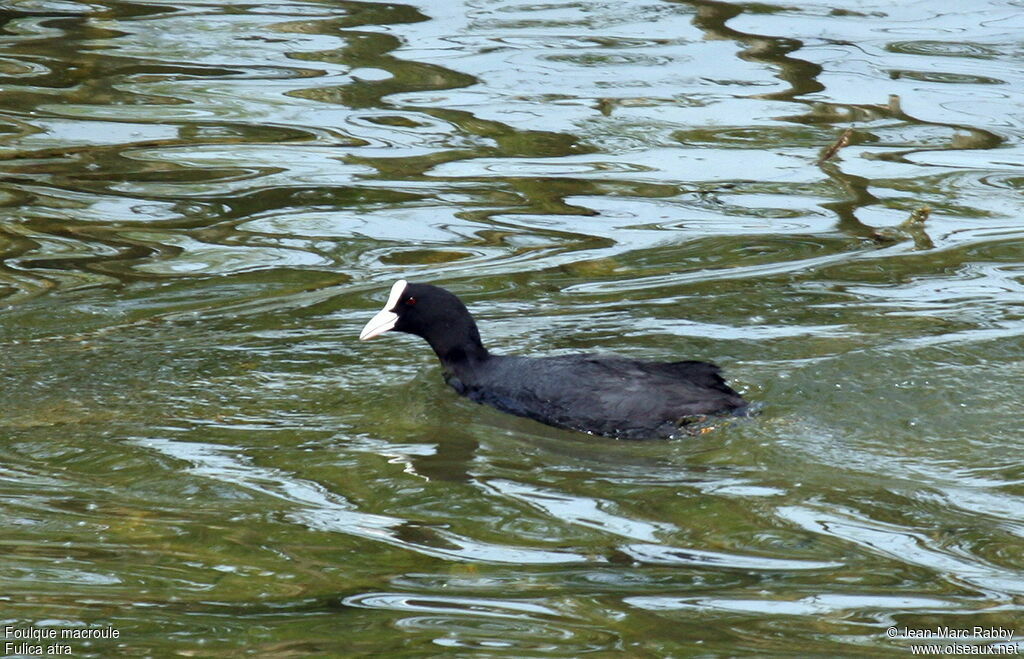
[(201, 204)]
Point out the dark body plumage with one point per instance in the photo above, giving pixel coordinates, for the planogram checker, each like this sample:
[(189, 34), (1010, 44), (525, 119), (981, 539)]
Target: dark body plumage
[(596, 393)]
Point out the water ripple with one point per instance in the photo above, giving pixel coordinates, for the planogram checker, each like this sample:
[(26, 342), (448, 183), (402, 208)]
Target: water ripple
[(203, 202), (908, 546), (327, 511)]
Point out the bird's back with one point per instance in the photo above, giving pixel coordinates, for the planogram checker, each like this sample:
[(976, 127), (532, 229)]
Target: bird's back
[(602, 394)]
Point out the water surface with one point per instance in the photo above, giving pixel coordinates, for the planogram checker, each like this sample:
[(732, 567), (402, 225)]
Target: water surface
[(203, 202)]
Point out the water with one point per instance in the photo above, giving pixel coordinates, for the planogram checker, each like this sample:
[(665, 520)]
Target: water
[(202, 204)]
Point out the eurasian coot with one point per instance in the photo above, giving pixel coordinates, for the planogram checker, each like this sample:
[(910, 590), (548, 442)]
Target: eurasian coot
[(594, 393)]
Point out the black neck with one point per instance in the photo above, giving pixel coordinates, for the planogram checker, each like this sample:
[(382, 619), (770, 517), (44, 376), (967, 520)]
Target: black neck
[(458, 344)]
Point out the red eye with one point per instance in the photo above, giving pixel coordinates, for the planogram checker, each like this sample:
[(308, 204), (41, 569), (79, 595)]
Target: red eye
[(410, 301)]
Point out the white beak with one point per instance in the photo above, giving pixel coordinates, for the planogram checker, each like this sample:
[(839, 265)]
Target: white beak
[(386, 317)]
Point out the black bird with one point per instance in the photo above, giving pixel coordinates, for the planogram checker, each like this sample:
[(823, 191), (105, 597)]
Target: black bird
[(593, 393)]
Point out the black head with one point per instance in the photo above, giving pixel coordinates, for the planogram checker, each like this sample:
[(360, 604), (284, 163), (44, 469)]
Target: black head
[(432, 313)]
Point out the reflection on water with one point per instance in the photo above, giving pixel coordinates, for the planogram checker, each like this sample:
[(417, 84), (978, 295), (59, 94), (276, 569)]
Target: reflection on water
[(201, 204)]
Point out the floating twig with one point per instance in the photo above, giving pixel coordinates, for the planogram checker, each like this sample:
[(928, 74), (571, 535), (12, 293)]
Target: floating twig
[(830, 152)]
